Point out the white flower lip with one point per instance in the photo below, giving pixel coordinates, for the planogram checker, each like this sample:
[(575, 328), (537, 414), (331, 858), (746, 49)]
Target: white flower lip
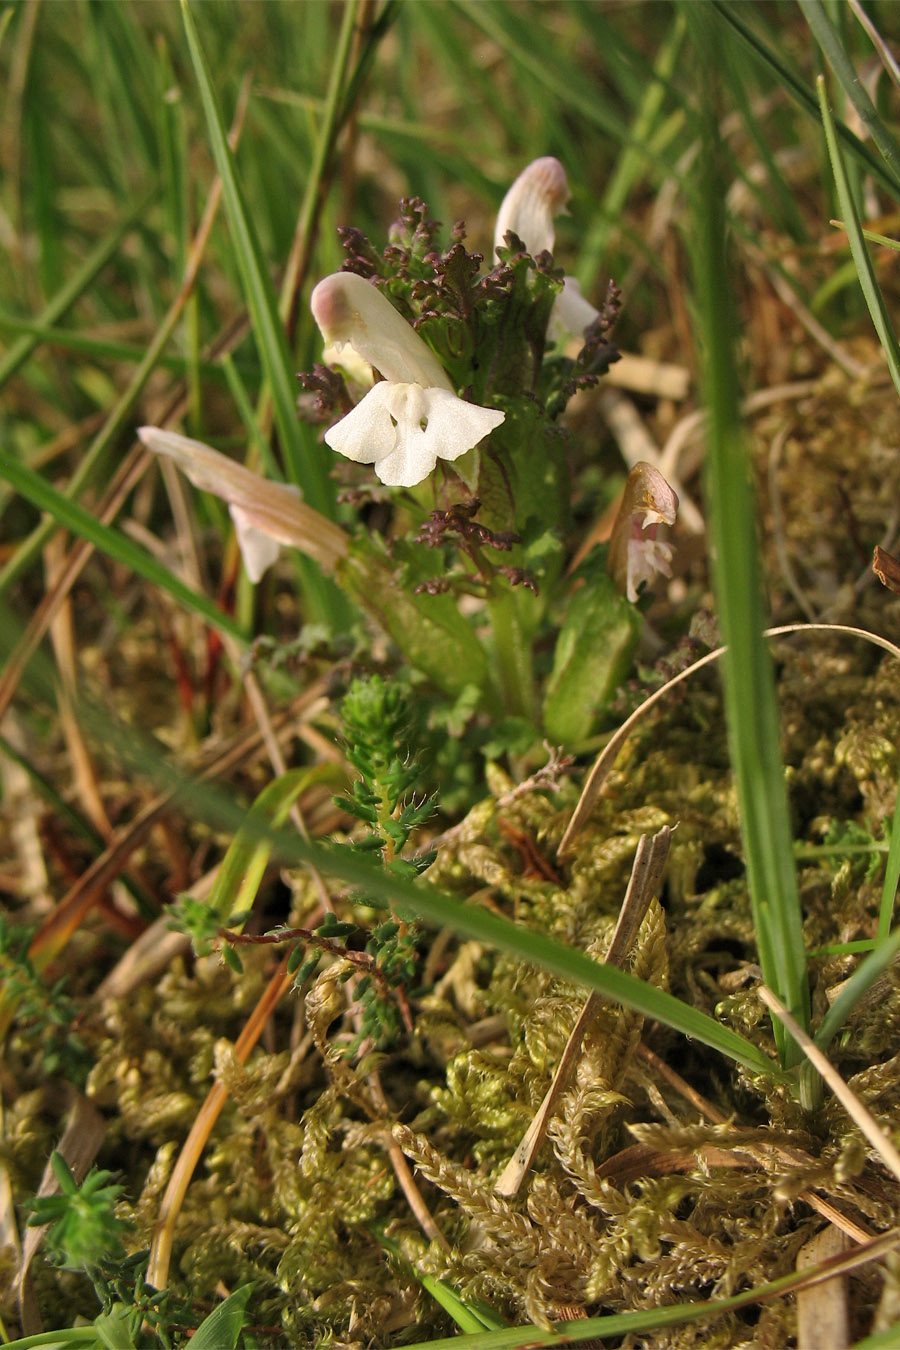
[(266, 515), (404, 429), (411, 419)]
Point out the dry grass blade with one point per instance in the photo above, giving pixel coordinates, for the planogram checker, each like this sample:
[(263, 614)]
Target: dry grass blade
[(857, 1111), (79, 1146), (170, 1208), (646, 875), (56, 930), (822, 1312), (607, 757)]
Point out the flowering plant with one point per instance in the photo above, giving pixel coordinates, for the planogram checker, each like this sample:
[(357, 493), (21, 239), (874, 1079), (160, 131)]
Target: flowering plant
[(467, 381)]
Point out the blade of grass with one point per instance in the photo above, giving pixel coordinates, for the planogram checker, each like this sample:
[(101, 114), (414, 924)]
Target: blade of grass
[(142, 755), (858, 985), (891, 877), (73, 516), (467, 1316), (120, 414), (835, 52), (866, 273), (275, 356), (653, 1319), (101, 349), (749, 685), (432, 906), (873, 237), (75, 287), (308, 463), (630, 163), (784, 78), (334, 113)]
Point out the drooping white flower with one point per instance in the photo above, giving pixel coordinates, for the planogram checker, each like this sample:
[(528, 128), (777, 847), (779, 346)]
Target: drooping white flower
[(413, 417), (540, 193), (635, 553), (266, 515)]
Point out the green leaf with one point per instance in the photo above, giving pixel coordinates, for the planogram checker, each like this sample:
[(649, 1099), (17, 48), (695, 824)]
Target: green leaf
[(784, 78), (244, 865), (637, 1323), (858, 985), (836, 55), (439, 910), (592, 654), (222, 1328)]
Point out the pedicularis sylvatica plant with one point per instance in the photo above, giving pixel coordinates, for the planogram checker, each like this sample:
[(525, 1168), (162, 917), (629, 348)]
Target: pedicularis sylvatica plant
[(445, 379)]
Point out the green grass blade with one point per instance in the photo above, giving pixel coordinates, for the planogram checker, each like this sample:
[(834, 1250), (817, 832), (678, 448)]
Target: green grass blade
[(836, 55), (858, 985), (307, 461), (891, 877), (111, 542), (277, 362), (221, 1330), (76, 286), (875, 238), (631, 162), (115, 423), (634, 1323), (243, 867), (888, 1339), (866, 273), (101, 349), (784, 78), (750, 700), (423, 901), (439, 910), (474, 1316)]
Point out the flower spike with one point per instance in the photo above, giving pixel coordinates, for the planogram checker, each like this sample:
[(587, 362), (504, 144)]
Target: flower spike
[(413, 417)]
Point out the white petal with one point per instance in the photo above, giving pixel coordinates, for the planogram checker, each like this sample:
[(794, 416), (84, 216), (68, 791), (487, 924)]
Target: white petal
[(432, 424), (404, 429), (258, 549), (646, 557), (455, 426), (539, 193), (368, 432), (571, 312)]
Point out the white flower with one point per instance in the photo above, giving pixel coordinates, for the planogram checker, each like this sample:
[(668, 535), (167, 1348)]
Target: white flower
[(635, 553), (266, 515), (413, 417), (541, 192)]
